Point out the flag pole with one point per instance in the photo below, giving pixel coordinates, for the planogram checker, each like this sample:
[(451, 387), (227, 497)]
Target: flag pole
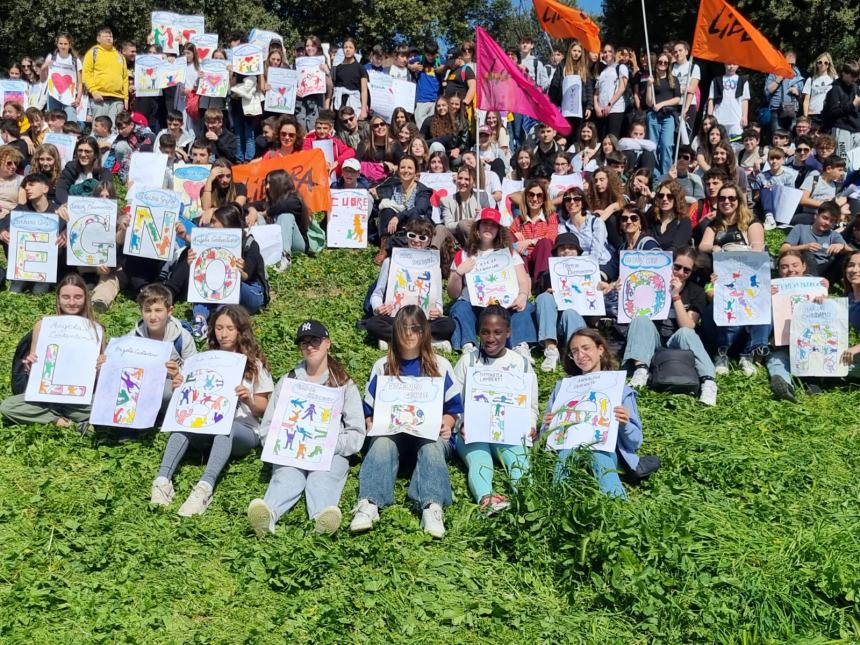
[(682, 122), (477, 126), (648, 53)]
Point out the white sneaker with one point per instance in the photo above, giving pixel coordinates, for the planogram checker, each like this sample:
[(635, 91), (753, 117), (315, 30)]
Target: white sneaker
[(749, 368), (708, 395), (283, 264), (523, 350), (162, 491), (468, 347), (327, 521), (640, 377), (364, 516), (198, 500), (721, 363), (769, 222), (550, 358), (441, 346), (383, 346), (261, 518), (431, 520)]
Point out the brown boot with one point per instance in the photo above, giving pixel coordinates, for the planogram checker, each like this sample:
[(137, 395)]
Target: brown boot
[(383, 250)]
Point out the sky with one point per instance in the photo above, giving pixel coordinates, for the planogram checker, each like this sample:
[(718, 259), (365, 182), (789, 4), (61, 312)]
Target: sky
[(590, 6)]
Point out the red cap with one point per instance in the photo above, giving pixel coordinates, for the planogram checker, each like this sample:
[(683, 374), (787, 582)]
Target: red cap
[(138, 119), (490, 214)]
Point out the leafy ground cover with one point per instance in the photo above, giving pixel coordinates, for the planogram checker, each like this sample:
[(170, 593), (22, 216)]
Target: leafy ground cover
[(749, 533)]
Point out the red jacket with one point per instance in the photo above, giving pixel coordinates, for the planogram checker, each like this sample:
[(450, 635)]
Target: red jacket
[(342, 152)]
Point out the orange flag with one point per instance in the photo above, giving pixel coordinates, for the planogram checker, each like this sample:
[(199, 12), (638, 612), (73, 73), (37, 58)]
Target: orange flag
[(307, 168), (724, 35), (561, 21)]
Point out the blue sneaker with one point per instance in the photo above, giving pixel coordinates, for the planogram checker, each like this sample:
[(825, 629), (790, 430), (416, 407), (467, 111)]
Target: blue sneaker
[(199, 330)]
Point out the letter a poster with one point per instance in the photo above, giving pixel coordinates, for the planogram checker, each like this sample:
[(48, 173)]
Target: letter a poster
[(92, 232), (494, 278), (582, 412), (347, 223), (408, 404), (742, 289), (206, 401), (574, 285), (819, 337), (32, 247), (65, 367), (215, 276), (131, 383), (305, 426), (414, 278), (498, 406), (154, 213), (645, 285)]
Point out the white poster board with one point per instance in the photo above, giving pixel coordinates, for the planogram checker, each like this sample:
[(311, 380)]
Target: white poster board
[(33, 251), (147, 71), (281, 95), (65, 369), (65, 144), (787, 293), (786, 199), (247, 60), (91, 232), (494, 278), (408, 404), (645, 285), (206, 45), (574, 285), (742, 288), (509, 186), (148, 169), (150, 233), (582, 412), (347, 222), (571, 96), (311, 76), (215, 80), (404, 95), (380, 87), (214, 276), (819, 337), (498, 406), (414, 278), (270, 240), (188, 182)]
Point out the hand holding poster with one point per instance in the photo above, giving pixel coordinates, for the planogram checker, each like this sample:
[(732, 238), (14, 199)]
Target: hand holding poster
[(215, 275), (65, 366), (131, 383), (305, 425), (33, 246), (150, 233), (91, 232), (742, 288), (819, 338), (583, 412), (248, 60), (311, 76), (414, 278), (215, 80), (646, 278), (147, 169), (188, 183), (788, 292), (147, 74), (498, 406), (494, 278), (206, 401), (281, 95), (63, 81), (408, 404), (574, 285), (347, 222)]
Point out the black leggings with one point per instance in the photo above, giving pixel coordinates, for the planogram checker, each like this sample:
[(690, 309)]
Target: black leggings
[(612, 124)]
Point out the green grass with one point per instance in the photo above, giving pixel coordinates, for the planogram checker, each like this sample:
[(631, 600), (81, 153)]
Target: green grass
[(749, 533)]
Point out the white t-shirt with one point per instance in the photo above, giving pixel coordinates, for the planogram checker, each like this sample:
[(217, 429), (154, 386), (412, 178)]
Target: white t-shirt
[(728, 111), (607, 85), (263, 385), (683, 74), (817, 89), (400, 73), (69, 64)]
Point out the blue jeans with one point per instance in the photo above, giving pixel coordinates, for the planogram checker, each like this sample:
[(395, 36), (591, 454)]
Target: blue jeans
[(322, 488), (465, 318), (71, 113), (661, 130), (429, 484), (250, 297), (290, 234), (604, 465), (243, 128), (478, 458), (757, 336), (779, 364), (643, 340), (551, 325)]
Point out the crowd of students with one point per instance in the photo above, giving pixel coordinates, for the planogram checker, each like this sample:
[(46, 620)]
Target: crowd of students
[(636, 189)]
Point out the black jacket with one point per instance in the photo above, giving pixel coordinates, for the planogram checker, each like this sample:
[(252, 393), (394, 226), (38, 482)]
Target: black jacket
[(422, 208), (839, 109), (67, 179)]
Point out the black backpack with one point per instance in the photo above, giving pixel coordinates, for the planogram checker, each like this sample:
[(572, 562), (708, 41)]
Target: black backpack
[(674, 370), (19, 375)]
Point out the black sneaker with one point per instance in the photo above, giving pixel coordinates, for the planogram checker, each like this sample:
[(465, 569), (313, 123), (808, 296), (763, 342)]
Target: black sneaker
[(782, 389), (100, 307), (648, 465), (813, 390)]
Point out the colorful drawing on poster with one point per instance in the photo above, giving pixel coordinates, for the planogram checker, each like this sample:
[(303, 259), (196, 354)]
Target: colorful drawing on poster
[(188, 183), (206, 45), (126, 398), (493, 279), (819, 337), (172, 74), (248, 60), (574, 285), (560, 184), (499, 406), (164, 32), (62, 84), (442, 184), (147, 75), (414, 278), (408, 404), (787, 294), (742, 288), (645, 285), (347, 222), (215, 275), (583, 412), (33, 246), (92, 232), (215, 78), (154, 213), (281, 95), (188, 26), (311, 77), (305, 426), (65, 144), (13, 91)]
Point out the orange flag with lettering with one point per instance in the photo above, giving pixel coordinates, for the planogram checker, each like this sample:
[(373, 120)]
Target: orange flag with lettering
[(561, 21), (308, 169), (724, 35)]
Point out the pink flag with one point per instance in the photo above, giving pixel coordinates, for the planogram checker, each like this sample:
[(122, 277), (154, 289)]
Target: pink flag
[(505, 87)]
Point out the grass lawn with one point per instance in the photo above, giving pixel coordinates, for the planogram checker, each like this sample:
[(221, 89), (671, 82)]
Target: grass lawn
[(749, 533)]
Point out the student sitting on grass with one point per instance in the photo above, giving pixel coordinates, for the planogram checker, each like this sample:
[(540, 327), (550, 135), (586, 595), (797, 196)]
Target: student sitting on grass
[(821, 245)]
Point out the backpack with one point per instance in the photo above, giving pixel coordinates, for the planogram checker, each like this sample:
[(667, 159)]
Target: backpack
[(673, 370), (19, 375), (718, 88)]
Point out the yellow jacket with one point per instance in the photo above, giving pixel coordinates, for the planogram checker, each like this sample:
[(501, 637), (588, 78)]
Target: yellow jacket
[(105, 72)]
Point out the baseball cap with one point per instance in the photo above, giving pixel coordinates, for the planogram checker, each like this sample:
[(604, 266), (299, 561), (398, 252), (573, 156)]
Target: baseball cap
[(351, 164), (490, 214), (567, 239), (485, 129), (312, 328)]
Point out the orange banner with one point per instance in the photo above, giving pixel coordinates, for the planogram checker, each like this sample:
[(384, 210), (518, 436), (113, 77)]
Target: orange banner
[(724, 35), (307, 168), (561, 21)]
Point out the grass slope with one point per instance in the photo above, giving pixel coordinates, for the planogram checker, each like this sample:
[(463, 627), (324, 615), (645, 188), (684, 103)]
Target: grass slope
[(749, 533)]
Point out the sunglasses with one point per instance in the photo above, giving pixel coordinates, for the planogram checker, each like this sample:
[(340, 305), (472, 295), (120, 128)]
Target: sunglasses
[(572, 198), (535, 195), (727, 198), (629, 218), (304, 343), (682, 269), (803, 150), (378, 125), (685, 157), (821, 62), (288, 135), (416, 236), (665, 196), (10, 163), (349, 119), (413, 329), (662, 62)]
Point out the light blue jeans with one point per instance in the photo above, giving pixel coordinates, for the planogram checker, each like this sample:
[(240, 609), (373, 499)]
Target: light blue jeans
[(322, 488), (478, 458), (551, 325), (465, 318), (290, 234), (604, 465), (643, 340), (661, 130), (779, 364)]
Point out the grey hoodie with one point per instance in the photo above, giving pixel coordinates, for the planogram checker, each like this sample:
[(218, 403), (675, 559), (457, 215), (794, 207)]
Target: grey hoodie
[(172, 331)]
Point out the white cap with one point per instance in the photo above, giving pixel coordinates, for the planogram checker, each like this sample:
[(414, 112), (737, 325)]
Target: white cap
[(352, 164)]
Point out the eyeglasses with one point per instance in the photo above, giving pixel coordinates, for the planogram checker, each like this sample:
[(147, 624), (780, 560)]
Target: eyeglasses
[(416, 236), (535, 195), (379, 125), (314, 342), (727, 198), (680, 268), (572, 198), (629, 218), (85, 151), (288, 135), (10, 163), (665, 196)]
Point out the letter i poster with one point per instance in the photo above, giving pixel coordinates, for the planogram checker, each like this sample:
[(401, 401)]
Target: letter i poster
[(582, 412), (215, 275), (206, 401), (305, 426), (408, 404), (65, 368), (498, 406), (645, 278)]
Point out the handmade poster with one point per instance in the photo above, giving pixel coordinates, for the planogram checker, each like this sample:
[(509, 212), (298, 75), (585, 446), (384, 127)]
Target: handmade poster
[(404, 95), (248, 60), (571, 96), (270, 240), (154, 212), (91, 232), (509, 186), (442, 184), (559, 184), (187, 27), (408, 404), (645, 285), (147, 75), (13, 91), (494, 279), (786, 294), (582, 412), (188, 183), (206, 401), (786, 199), (305, 425), (281, 95), (347, 222), (147, 169), (311, 77), (33, 252), (498, 406), (380, 87), (742, 289), (215, 80), (262, 38), (83, 109), (65, 367), (62, 83), (172, 74), (130, 387), (327, 148), (574, 285), (307, 168), (206, 45), (819, 337), (164, 32), (215, 276), (414, 278), (65, 144)]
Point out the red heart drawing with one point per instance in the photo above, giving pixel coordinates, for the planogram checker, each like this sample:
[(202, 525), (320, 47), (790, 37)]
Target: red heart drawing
[(437, 196), (187, 33), (282, 91), (149, 71), (193, 189), (248, 59), (203, 52), (214, 80), (61, 82)]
